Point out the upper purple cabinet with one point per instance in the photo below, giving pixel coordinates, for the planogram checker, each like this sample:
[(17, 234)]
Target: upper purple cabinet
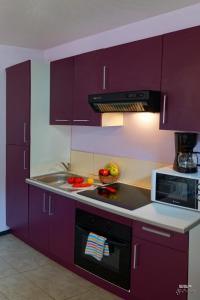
[(134, 66), (89, 79), (61, 91), (180, 80), (18, 104)]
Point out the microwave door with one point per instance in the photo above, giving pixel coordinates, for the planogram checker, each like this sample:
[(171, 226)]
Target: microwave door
[(176, 190)]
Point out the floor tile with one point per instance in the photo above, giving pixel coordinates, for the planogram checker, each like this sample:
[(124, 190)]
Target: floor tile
[(6, 269), (25, 274), (10, 245), (95, 294), (17, 287), (58, 282), (24, 261)]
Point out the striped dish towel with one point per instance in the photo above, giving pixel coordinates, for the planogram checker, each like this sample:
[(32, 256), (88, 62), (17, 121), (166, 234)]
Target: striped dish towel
[(96, 246)]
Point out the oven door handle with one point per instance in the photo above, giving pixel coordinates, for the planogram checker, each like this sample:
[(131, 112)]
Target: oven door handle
[(110, 242)]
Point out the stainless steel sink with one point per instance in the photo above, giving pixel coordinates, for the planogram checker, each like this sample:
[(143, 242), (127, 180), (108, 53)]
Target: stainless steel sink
[(55, 179)]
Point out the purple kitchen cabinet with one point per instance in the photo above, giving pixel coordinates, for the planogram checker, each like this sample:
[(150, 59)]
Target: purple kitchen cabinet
[(159, 263), (180, 80), (51, 224), (17, 170), (61, 230), (134, 66), (38, 218), (18, 104), (157, 271), (61, 91), (89, 72)]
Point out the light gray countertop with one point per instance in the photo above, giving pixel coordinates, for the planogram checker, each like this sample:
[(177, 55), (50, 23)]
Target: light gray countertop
[(165, 216)]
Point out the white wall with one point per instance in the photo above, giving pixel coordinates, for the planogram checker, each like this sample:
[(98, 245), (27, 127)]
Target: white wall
[(168, 22), (8, 56), (49, 144)]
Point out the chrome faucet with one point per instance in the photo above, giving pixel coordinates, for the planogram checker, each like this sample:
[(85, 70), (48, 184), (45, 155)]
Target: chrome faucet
[(66, 166)]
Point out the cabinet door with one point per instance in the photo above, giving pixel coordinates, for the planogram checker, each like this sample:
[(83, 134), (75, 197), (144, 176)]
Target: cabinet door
[(134, 66), (61, 92), (38, 218), (18, 104), (157, 271), (61, 231), (88, 80), (180, 80), (17, 170)]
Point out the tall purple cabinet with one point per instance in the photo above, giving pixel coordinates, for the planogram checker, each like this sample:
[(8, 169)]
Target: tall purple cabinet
[(17, 148)]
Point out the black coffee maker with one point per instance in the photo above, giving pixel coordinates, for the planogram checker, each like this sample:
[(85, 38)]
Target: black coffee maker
[(186, 160)]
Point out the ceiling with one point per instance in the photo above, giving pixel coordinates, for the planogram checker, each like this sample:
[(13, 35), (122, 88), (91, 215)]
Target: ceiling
[(43, 24)]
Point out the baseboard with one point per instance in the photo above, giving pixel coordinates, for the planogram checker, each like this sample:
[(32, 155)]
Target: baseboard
[(5, 232)]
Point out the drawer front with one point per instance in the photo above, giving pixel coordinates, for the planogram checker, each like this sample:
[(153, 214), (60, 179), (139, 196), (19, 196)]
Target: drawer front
[(161, 236)]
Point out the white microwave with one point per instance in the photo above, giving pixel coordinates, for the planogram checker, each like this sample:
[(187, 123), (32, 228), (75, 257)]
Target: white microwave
[(174, 188)]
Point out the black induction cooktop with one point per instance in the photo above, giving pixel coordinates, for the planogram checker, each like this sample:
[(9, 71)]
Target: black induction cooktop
[(120, 194)]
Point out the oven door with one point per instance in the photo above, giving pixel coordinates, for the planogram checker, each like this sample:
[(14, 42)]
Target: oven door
[(177, 190), (115, 268)]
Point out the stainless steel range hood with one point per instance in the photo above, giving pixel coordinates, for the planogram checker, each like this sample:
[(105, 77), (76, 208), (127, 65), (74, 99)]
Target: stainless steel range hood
[(136, 101)]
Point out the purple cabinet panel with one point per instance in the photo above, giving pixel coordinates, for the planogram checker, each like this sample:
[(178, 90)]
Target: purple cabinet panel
[(61, 91), (88, 80), (157, 271), (161, 236), (17, 170), (38, 218), (51, 224), (61, 230), (180, 80), (134, 66), (18, 104)]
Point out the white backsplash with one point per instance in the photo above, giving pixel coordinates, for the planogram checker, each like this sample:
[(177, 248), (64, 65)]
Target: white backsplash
[(133, 171)]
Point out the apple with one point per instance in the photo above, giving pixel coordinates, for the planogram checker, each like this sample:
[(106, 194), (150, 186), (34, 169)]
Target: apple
[(114, 171), (104, 172)]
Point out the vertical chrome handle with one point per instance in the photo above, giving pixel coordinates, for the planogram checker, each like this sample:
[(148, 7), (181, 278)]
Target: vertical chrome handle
[(25, 133), (25, 167), (44, 203), (135, 253), (50, 206), (104, 78), (164, 108)]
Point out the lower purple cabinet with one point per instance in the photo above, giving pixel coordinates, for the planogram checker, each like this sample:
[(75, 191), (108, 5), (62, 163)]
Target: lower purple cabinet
[(51, 224), (157, 269)]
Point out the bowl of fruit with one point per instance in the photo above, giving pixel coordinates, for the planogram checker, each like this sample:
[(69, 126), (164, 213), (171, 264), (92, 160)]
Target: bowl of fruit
[(110, 173)]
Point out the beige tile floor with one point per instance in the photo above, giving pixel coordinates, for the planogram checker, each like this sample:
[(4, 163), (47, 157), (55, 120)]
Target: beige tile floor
[(25, 274)]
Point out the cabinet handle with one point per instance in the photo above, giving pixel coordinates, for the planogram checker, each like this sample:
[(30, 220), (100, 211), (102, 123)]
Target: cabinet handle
[(25, 167), (59, 120), (50, 207), (158, 232), (104, 78), (81, 120), (25, 133), (164, 108), (44, 203), (135, 255)]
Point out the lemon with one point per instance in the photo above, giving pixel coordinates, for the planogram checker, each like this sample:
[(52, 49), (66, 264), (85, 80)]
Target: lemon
[(90, 180)]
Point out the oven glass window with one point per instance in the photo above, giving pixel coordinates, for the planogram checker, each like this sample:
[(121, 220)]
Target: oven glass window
[(176, 190)]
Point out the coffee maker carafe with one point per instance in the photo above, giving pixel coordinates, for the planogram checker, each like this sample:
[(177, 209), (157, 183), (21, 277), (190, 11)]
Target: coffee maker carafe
[(186, 160)]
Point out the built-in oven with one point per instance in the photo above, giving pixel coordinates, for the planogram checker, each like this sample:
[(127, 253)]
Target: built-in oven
[(115, 267), (171, 187)]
